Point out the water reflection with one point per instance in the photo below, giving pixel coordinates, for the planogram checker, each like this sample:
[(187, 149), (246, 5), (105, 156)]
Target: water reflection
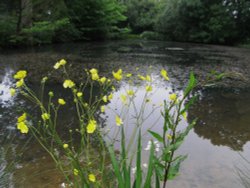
[(223, 117)]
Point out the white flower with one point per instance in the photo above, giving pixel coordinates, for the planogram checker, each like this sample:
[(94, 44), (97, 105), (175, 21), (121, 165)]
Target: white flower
[(145, 165), (133, 170)]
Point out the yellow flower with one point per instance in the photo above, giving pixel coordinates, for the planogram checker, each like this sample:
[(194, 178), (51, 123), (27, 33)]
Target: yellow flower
[(105, 98), (19, 83), (68, 84), (148, 78), (118, 75), (164, 74), (57, 65), (118, 121), (65, 146), (12, 92), (128, 75), (91, 127), (93, 71), (130, 92), (79, 94), (61, 101), (173, 97), (92, 178), (102, 109), (22, 118), (141, 77), (184, 114), (123, 98), (20, 74), (45, 116), (95, 76), (22, 127), (148, 88), (103, 80), (76, 172), (110, 96), (62, 62)]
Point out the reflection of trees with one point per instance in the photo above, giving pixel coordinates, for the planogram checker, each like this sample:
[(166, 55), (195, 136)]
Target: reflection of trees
[(223, 117)]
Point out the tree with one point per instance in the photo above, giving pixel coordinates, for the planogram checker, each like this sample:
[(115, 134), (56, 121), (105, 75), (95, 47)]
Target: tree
[(197, 21), (95, 19)]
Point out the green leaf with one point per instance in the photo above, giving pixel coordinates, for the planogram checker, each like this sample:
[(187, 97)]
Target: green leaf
[(156, 135), (116, 167), (126, 172), (188, 104), (175, 166), (191, 84), (150, 167), (138, 163)]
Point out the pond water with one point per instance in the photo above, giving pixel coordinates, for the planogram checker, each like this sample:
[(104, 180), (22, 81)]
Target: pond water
[(215, 146)]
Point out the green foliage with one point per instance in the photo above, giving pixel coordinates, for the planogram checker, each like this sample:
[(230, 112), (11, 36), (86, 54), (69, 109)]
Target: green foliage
[(96, 19), (7, 29), (32, 22), (142, 14), (196, 21)]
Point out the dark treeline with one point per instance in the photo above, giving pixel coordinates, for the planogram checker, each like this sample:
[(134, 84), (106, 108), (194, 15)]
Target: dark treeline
[(32, 22)]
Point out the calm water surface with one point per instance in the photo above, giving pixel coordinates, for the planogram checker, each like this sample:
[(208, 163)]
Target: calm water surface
[(214, 146)]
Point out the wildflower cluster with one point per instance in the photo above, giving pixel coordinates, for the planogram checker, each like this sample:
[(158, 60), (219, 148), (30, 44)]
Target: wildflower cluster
[(77, 158)]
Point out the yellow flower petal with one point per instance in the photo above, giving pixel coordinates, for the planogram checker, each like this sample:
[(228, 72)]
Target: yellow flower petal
[(164, 74), (19, 83), (91, 127), (65, 146), (61, 101), (123, 98), (128, 75), (118, 75), (95, 76), (130, 92), (57, 65), (22, 127), (62, 62), (79, 94), (45, 116), (92, 178), (148, 88), (173, 97), (103, 80), (102, 109), (93, 71), (110, 97), (184, 114), (76, 172), (12, 92), (20, 74), (68, 84), (118, 121), (105, 98), (22, 118)]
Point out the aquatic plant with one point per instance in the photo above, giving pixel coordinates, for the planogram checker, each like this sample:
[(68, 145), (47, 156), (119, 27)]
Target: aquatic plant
[(85, 155)]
